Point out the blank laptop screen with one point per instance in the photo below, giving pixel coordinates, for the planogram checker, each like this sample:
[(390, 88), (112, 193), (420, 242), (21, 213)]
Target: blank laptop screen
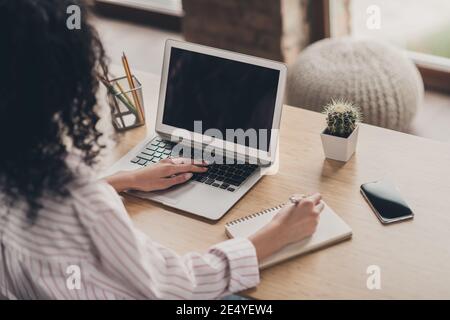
[(222, 93)]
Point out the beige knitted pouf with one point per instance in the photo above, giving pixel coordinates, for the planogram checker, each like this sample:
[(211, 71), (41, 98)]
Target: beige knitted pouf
[(377, 77)]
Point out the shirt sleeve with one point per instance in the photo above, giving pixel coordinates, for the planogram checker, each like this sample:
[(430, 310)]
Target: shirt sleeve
[(150, 270)]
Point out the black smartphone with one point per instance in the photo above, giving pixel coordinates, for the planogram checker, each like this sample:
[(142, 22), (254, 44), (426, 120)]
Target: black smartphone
[(386, 201)]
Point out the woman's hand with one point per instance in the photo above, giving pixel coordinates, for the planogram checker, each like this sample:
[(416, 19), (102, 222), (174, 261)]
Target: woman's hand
[(294, 222), (162, 175)]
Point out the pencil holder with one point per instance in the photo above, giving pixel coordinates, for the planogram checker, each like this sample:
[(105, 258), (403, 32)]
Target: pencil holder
[(127, 104)]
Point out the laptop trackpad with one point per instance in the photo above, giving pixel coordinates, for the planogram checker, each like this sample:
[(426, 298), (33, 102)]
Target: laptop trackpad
[(170, 196)]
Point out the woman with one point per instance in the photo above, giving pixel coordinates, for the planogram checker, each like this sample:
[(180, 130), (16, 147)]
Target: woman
[(64, 235)]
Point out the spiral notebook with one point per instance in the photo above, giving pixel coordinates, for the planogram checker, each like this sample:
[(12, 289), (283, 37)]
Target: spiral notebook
[(330, 230)]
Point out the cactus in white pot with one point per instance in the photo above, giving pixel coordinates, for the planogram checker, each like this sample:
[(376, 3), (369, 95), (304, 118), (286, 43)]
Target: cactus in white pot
[(341, 134)]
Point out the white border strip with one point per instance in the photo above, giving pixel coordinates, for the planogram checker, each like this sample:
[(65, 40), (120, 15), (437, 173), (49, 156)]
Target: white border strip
[(172, 10), (430, 61)]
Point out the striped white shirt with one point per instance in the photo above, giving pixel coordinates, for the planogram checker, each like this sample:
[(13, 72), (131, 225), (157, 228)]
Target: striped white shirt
[(85, 246)]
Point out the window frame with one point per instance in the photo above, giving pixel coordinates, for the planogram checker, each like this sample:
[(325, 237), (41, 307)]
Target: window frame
[(165, 19)]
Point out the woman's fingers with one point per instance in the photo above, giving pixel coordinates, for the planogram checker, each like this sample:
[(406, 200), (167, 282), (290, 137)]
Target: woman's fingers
[(166, 160), (189, 161), (315, 198), (174, 166), (296, 196), (178, 179), (183, 168), (319, 208)]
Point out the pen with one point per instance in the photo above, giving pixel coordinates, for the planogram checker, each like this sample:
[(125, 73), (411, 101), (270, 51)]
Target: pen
[(111, 89), (120, 95), (295, 200), (125, 95)]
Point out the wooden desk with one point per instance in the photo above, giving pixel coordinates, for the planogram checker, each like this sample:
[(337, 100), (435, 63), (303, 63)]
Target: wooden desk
[(414, 256)]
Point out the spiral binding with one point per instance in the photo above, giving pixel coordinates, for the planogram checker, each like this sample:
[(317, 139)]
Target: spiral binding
[(253, 215)]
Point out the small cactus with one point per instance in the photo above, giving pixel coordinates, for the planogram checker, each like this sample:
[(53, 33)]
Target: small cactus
[(342, 118)]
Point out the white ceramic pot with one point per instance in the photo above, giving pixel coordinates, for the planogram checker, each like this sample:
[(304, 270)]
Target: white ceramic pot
[(338, 148)]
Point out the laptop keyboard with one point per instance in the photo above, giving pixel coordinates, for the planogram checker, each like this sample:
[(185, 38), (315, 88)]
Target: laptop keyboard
[(226, 176), (223, 176), (154, 152)]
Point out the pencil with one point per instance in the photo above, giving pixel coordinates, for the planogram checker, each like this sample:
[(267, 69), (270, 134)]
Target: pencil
[(126, 66)]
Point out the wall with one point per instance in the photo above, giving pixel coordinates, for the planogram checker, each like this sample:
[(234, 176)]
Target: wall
[(273, 29)]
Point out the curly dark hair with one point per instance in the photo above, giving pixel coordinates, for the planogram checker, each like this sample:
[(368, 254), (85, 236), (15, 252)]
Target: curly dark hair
[(48, 83)]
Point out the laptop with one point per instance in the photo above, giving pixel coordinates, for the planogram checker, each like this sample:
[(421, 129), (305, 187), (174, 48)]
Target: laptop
[(218, 106)]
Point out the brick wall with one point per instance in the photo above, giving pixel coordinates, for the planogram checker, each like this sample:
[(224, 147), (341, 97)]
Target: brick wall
[(273, 29)]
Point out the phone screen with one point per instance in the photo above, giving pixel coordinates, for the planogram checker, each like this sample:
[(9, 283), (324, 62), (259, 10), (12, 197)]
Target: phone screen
[(386, 201)]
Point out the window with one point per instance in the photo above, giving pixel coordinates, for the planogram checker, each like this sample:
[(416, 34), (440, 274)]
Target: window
[(421, 27)]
